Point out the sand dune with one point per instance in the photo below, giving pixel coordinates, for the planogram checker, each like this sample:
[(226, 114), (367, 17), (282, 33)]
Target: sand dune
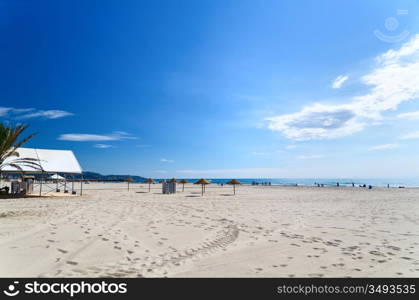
[(260, 232)]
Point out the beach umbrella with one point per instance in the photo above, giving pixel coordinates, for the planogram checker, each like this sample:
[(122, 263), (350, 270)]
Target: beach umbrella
[(183, 181), (173, 180), (202, 182), (233, 182), (56, 177), (149, 181), (128, 180)]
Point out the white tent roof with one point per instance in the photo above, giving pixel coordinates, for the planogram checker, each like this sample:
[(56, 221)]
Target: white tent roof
[(56, 176), (52, 161)]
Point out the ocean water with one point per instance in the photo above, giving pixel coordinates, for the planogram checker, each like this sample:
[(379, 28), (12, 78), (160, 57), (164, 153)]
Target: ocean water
[(393, 182)]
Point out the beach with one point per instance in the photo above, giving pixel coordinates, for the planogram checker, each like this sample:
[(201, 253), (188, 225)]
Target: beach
[(262, 231)]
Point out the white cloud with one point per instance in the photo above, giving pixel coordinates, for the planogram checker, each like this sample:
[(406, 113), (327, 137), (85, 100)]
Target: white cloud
[(237, 173), (413, 115), (87, 137), (48, 114), (311, 156), (256, 153), (394, 80), (4, 111), (103, 146), (339, 81), (165, 160), (409, 136), (29, 113), (160, 171), (384, 147), (317, 122)]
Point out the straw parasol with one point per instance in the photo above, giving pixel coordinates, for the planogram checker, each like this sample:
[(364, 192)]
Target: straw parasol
[(149, 181), (173, 180), (233, 182), (202, 182), (183, 181), (128, 180)]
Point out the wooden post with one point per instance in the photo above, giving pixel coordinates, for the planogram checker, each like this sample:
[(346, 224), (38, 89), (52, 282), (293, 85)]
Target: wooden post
[(40, 185), (149, 187), (81, 186), (128, 186), (234, 187)]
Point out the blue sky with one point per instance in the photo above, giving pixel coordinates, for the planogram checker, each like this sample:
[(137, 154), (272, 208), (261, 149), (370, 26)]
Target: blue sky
[(217, 88)]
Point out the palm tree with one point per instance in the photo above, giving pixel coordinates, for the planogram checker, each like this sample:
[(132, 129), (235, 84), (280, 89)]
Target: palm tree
[(9, 144)]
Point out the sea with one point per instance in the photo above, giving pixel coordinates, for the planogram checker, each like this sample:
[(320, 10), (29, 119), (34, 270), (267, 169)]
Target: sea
[(384, 182)]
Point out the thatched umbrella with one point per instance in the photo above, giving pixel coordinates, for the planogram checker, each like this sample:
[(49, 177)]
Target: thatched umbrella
[(128, 180), (202, 182), (173, 180), (149, 181), (233, 182), (183, 181)]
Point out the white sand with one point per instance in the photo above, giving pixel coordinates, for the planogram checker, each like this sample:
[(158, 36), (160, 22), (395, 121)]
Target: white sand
[(260, 232)]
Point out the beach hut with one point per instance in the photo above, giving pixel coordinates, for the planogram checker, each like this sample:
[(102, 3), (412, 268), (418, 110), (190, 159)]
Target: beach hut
[(202, 182), (149, 181), (183, 181), (169, 187), (233, 182)]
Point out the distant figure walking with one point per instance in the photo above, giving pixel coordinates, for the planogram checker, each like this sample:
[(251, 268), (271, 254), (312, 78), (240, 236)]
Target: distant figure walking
[(353, 184), (388, 186), (337, 183)]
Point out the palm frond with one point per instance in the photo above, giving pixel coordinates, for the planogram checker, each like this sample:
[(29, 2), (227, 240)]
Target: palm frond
[(9, 144)]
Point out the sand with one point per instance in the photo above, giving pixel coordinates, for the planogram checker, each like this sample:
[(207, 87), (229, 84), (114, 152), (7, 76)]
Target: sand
[(260, 232)]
